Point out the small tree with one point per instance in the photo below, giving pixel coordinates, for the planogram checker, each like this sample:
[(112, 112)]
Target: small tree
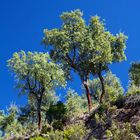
[(87, 49), (134, 77), (36, 75), (134, 74), (73, 104)]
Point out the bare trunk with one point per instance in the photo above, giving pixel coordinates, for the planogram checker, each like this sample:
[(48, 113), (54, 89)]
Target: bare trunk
[(88, 96), (102, 86), (39, 115)]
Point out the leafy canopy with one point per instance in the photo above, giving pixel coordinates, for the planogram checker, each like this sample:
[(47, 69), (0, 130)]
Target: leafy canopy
[(83, 47), (35, 72)]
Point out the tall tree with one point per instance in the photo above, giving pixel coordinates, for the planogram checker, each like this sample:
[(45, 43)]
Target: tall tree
[(87, 49), (107, 49), (36, 75)]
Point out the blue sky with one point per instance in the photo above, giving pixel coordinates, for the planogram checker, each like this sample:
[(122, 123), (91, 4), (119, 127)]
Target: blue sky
[(22, 23)]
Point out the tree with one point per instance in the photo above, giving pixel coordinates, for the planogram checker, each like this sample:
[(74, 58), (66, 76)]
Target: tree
[(87, 49), (108, 49), (134, 74), (73, 104), (36, 75), (7, 119), (56, 115)]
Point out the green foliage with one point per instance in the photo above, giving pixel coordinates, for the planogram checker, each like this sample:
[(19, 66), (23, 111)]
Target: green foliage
[(138, 126), (36, 75), (70, 132), (134, 73), (133, 89), (75, 132), (56, 115), (74, 106), (108, 133), (88, 49), (119, 132), (6, 120), (74, 40), (38, 138), (54, 135), (35, 72), (14, 129), (112, 109), (46, 128)]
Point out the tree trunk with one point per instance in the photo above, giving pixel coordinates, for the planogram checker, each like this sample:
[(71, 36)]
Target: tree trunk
[(102, 86), (88, 95), (39, 115)]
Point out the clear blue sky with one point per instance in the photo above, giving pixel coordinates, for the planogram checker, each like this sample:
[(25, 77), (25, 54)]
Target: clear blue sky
[(22, 23)]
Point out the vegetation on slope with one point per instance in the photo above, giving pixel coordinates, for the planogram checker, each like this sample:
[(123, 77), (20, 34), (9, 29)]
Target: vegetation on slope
[(103, 111)]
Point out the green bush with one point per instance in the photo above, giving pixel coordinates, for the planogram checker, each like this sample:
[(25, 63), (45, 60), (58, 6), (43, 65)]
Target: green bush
[(71, 132), (108, 134), (112, 109), (120, 132), (138, 126), (57, 124), (54, 135), (75, 132), (38, 138), (56, 115), (102, 108), (46, 128)]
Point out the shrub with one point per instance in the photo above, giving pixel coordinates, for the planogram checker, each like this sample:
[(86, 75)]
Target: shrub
[(122, 132), (38, 138), (56, 115), (74, 105), (57, 124), (138, 126), (71, 132), (46, 128), (112, 109), (75, 132), (54, 135), (108, 134)]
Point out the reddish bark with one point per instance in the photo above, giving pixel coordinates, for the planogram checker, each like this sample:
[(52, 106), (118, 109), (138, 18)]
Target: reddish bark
[(88, 96)]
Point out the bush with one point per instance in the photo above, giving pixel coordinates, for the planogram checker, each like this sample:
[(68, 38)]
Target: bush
[(112, 109), (121, 132), (102, 108), (75, 132), (108, 134), (74, 104), (138, 127), (38, 138), (46, 128), (71, 132), (54, 135), (57, 124), (56, 115)]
